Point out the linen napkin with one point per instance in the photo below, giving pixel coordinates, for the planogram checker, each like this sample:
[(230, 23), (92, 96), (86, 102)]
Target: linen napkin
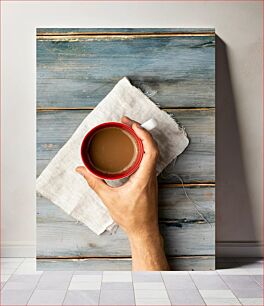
[(67, 189)]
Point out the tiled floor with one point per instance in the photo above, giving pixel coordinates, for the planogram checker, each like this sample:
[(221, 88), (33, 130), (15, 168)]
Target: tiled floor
[(240, 285)]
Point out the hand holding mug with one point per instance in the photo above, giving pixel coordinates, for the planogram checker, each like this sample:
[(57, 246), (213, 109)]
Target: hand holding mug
[(134, 205), (124, 202)]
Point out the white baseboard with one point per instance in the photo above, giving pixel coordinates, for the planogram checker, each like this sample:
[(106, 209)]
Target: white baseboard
[(18, 249), (223, 249), (239, 249)]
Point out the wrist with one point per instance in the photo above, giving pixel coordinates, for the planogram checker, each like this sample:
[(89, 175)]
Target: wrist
[(146, 235), (147, 251)]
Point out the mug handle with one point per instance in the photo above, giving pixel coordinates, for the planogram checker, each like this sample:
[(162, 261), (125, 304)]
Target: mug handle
[(149, 124)]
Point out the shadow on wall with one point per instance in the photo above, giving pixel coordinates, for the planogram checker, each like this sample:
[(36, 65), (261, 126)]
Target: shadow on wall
[(233, 205)]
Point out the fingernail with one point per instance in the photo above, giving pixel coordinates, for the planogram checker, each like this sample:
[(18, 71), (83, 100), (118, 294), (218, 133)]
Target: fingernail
[(78, 170), (138, 126)]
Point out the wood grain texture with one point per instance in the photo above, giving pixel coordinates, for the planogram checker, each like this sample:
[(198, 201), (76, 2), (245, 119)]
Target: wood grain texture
[(183, 224), (73, 239), (194, 263), (88, 36), (172, 71), (197, 164), (76, 68), (107, 31), (173, 206)]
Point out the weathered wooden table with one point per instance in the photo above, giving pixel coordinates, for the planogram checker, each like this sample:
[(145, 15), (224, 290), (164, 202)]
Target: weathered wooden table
[(76, 68)]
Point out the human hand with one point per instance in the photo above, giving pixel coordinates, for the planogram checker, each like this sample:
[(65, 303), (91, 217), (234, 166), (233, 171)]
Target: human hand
[(133, 205)]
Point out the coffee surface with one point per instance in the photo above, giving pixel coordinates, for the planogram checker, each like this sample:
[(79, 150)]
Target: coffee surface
[(112, 150)]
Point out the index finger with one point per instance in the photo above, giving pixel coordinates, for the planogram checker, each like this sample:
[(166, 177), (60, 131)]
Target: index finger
[(126, 120)]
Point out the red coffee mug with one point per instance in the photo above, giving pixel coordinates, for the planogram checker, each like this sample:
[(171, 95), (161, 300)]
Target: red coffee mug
[(85, 158)]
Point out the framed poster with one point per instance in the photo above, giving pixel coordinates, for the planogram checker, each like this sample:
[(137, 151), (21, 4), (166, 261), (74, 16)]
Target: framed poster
[(175, 68)]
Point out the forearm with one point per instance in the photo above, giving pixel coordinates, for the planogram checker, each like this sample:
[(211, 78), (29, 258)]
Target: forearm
[(148, 252)]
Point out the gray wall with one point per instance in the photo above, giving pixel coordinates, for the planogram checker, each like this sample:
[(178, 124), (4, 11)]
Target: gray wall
[(238, 94)]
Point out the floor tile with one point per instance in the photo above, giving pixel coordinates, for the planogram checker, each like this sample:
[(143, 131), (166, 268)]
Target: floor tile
[(178, 282), (245, 279), (217, 294), (203, 273), (258, 279), (47, 297), (161, 302), (88, 272), (149, 286), (15, 297), (121, 276), (87, 278), (209, 282), (84, 286), (54, 280), (222, 301), (25, 278), (87, 297), (27, 272), (185, 297), (151, 294), (20, 285), (118, 273), (117, 297), (117, 286), (5, 277), (233, 271), (248, 293), (27, 268), (255, 271), (174, 272), (240, 281), (251, 301), (146, 277)]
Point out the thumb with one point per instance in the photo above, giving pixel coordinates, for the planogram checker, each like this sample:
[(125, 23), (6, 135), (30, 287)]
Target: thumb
[(97, 184)]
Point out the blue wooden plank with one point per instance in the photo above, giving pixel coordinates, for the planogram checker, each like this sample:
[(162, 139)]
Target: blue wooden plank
[(59, 235), (196, 164), (173, 206), (73, 239), (173, 71), (187, 263), (183, 224)]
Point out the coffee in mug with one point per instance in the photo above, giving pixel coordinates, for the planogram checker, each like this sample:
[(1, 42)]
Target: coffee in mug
[(112, 150)]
